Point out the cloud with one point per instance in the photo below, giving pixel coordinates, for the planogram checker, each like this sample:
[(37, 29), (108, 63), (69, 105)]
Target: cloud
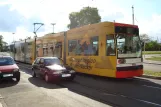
[(9, 20), (27, 12)]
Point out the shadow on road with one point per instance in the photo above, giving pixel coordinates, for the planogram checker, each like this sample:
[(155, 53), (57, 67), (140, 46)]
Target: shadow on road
[(110, 90), (41, 83), (7, 83), (27, 71)]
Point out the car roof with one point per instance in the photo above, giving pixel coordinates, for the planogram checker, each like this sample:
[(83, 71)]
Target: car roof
[(4, 54), (49, 57), (5, 57)]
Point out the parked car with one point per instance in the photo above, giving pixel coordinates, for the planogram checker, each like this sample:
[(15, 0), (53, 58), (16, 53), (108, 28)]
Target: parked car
[(8, 68), (52, 69)]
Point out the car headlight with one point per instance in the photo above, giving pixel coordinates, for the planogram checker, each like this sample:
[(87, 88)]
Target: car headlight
[(15, 70), (57, 72), (72, 71)]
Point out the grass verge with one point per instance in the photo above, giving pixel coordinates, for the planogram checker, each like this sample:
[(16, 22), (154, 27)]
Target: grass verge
[(152, 73), (151, 52)]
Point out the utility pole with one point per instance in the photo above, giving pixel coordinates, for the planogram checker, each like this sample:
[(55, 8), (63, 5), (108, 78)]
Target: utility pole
[(35, 31), (13, 36), (53, 26), (14, 46), (133, 15)]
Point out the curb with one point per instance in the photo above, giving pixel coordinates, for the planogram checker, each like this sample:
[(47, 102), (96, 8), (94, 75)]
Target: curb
[(152, 77), (151, 63)]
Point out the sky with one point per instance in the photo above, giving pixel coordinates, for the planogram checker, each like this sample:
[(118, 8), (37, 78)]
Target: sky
[(18, 16)]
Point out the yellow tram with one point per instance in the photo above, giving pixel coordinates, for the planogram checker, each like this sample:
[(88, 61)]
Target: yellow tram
[(105, 49)]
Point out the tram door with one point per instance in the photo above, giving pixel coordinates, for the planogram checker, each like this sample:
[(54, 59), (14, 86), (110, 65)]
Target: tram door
[(58, 50)]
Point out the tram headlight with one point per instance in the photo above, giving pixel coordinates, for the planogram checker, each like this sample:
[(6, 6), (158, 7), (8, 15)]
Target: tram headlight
[(121, 61)]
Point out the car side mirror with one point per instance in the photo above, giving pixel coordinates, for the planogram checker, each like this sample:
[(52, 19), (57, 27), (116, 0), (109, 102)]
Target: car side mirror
[(61, 60)]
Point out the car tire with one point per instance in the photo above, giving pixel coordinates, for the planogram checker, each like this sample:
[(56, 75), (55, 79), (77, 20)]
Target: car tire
[(18, 78), (71, 78), (47, 78), (33, 74)]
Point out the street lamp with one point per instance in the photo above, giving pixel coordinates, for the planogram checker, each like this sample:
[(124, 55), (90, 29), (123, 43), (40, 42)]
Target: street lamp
[(53, 26), (132, 14), (35, 30)]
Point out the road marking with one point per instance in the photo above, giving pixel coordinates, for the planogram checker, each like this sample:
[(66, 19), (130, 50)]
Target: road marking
[(1, 96), (150, 103), (151, 87), (144, 101)]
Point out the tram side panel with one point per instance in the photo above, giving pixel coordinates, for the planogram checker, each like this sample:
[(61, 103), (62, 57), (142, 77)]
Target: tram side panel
[(19, 53), (86, 50), (28, 52)]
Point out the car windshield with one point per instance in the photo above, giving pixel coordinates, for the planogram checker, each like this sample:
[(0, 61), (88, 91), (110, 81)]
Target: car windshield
[(6, 61), (128, 46), (52, 61)]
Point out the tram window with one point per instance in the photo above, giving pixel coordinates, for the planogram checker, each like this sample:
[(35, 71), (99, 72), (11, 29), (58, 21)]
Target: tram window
[(94, 41), (110, 45), (72, 46), (83, 46), (88, 47)]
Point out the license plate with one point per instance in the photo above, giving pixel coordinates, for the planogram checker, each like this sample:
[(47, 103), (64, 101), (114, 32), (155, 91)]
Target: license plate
[(66, 75), (133, 64), (7, 75)]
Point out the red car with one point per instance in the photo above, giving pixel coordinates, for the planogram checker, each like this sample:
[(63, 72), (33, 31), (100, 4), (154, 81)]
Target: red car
[(52, 69), (8, 68)]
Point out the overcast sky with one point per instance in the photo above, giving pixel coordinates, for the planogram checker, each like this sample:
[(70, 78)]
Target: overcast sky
[(18, 16)]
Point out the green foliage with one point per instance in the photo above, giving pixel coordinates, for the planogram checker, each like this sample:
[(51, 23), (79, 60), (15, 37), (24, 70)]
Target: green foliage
[(152, 46), (3, 45), (88, 15), (153, 73), (151, 52)]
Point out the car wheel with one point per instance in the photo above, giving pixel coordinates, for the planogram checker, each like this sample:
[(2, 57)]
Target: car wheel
[(33, 73), (18, 78), (47, 78), (71, 78)]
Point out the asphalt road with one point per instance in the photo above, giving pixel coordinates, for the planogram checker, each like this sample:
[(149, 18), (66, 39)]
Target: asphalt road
[(84, 91)]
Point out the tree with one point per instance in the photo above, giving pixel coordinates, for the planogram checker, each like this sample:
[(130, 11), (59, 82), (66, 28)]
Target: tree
[(87, 15), (152, 46), (1, 43), (144, 38)]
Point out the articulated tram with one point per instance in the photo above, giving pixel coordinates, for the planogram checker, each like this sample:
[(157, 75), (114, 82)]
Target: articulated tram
[(105, 49)]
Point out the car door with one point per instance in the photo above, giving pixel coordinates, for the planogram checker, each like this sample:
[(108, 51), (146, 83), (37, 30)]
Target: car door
[(41, 67), (36, 65)]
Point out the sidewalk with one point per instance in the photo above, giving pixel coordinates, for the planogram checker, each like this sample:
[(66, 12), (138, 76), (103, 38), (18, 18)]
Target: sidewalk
[(2, 103), (151, 61)]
